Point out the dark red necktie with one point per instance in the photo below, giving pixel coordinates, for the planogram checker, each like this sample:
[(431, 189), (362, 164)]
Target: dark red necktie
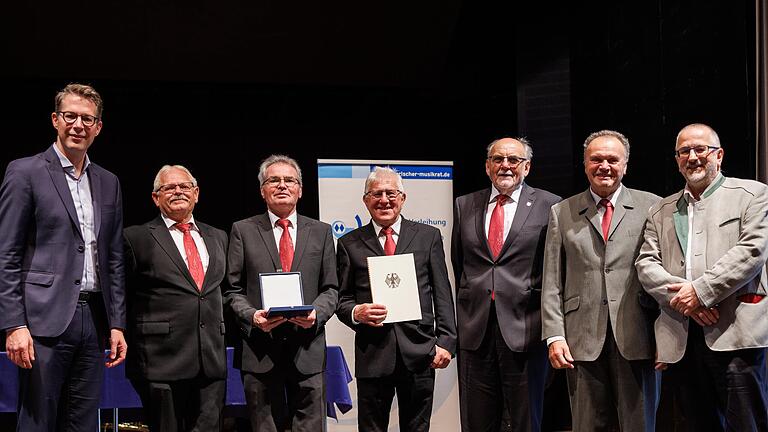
[(286, 245), (496, 228), (606, 217), (194, 263), (389, 242)]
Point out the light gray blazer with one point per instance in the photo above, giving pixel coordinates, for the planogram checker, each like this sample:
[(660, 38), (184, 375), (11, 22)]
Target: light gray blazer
[(587, 282), (729, 255)]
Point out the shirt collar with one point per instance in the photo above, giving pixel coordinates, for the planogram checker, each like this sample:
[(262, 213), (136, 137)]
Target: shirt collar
[(66, 163), (169, 223), (395, 226), (613, 198), (273, 218), (514, 196)]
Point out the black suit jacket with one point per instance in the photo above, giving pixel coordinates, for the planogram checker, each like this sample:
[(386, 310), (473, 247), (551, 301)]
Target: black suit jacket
[(174, 329), (252, 250), (376, 347), (515, 275)]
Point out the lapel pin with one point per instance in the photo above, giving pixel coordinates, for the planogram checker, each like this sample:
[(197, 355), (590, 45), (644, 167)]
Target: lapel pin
[(528, 204)]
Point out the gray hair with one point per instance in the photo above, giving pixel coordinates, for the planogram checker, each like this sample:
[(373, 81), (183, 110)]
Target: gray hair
[(610, 133), (381, 171), (156, 184), (278, 158), (521, 140), (715, 138)]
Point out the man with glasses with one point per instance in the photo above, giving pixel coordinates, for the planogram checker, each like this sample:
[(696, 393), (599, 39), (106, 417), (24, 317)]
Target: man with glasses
[(281, 359), (497, 247), (175, 267), (596, 318), (395, 357), (61, 271), (703, 260)]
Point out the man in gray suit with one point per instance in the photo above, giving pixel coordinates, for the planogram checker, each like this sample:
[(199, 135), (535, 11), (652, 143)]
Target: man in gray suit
[(281, 359), (704, 258), (497, 250), (594, 313)]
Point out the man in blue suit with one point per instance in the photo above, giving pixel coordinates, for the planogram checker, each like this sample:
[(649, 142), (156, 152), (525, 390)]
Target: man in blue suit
[(61, 271)]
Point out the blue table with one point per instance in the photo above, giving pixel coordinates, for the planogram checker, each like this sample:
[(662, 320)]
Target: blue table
[(117, 391)]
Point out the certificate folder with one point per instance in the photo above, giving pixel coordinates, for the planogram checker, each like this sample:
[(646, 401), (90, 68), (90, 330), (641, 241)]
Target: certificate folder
[(281, 294), (394, 285)]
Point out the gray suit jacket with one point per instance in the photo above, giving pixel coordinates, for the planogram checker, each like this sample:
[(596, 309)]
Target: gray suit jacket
[(729, 255), (515, 274), (252, 250), (588, 282)]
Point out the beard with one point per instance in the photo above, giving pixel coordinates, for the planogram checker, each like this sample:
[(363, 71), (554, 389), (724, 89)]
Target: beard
[(700, 177)]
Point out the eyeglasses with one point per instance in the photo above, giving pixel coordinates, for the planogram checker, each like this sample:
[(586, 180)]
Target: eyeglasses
[(391, 194), (71, 117), (171, 187), (275, 181), (700, 150), (513, 161)]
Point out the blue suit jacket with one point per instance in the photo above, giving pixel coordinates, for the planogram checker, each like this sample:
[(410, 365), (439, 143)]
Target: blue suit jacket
[(42, 249)]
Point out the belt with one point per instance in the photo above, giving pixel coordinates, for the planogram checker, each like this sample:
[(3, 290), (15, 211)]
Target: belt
[(87, 296)]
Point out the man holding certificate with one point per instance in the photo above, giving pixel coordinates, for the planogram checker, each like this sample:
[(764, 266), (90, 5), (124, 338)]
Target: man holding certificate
[(385, 269), (278, 262)]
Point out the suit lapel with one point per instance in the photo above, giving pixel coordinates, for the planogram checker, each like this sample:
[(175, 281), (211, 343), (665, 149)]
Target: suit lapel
[(524, 205), (369, 238), (407, 234), (588, 208), (624, 204), (268, 237), (302, 237), (162, 236), (60, 183), (480, 208), (212, 247), (95, 182)]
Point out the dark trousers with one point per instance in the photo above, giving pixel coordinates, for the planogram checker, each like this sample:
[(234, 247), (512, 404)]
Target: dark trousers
[(613, 393), (61, 392), (493, 378), (184, 405), (720, 390), (284, 399), (414, 399)]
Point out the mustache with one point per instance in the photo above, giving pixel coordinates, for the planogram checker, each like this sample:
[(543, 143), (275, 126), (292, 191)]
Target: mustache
[(179, 197)]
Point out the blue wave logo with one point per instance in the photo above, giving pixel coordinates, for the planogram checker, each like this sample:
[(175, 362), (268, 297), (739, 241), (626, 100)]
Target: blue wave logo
[(339, 227)]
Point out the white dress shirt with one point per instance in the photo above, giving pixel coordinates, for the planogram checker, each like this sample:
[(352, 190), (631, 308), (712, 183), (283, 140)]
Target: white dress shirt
[(178, 240)]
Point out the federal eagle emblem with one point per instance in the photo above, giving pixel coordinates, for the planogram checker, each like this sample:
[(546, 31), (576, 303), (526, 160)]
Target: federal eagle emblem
[(392, 280)]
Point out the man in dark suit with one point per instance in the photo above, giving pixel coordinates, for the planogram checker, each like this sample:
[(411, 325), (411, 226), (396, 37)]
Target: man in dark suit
[(282, 359), (175, 267), (597, 319), (400, 357), (497, 247), (61, 271)]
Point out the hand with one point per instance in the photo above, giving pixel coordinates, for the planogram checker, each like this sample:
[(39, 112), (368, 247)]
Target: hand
[(305, 322), (686, 300), (560, 355), (441, 359), (21, 349), (705, 317), (266, 325), (660, 366), (370, 313), (117, 348)]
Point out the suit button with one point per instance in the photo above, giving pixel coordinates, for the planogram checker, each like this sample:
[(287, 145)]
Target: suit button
[(81, 248), (605, 302), (77, 282), (202, 298), (607, 270), (202, 325)]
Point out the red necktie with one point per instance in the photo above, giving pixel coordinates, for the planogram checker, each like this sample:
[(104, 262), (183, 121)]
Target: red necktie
[(606, 217), (286, 245), (389, 242), (496, 228), (194, 263)]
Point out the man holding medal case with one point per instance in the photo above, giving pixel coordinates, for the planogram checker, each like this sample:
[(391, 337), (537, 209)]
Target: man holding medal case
[(281, 358)]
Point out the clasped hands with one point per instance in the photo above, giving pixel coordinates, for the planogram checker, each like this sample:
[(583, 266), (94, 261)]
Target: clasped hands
[(686, 302)]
